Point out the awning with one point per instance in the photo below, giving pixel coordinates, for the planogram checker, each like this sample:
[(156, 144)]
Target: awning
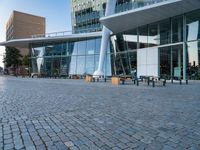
[(24, 43), (148, 14)]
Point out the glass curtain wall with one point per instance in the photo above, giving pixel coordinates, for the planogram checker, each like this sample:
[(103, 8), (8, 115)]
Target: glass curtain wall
[(171, 62), (64, 59), (193, 45), (168, 35)]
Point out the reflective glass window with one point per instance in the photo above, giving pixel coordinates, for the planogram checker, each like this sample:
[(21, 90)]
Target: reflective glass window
[(108, 65), (90, 47), (75, 48), (57, 49), (63, 67), (97, 61), (64, 49), (193, 25), (153, 38), (143, 36), (131, 38), (81, 47), (120, 44), (121, 63), (133, 60), (90, 61), (165, 32), (177, 29), (70, 48), (56, 67), (98, 46), (72, 69), (193, 60), (80, 65), (165, 62)]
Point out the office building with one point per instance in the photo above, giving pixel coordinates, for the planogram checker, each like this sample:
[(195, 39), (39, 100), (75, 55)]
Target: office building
[(22, 25), (154, 37)]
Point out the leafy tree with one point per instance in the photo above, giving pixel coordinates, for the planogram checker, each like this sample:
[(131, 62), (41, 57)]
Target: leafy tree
[(12, 58), (25, 61)]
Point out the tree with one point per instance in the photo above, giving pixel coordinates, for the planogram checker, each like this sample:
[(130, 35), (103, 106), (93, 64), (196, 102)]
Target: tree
[(12, 58), (25, 61)]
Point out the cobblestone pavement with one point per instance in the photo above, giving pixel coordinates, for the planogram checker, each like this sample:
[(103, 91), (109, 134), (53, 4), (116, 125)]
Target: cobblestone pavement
[(70, 114)]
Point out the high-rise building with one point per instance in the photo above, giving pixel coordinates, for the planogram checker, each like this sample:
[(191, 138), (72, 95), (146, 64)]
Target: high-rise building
[(86, 13)]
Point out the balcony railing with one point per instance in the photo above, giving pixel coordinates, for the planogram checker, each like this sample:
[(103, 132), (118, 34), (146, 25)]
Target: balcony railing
[(135, 4)]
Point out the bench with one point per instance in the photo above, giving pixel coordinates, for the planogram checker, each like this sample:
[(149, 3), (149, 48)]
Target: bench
[(124, 78), (151, 79), (179, 80)]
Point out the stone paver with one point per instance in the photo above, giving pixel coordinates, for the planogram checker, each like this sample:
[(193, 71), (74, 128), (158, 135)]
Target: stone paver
[(65, 114)]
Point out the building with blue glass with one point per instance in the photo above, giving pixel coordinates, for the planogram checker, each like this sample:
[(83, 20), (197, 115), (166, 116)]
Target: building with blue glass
[(116, 37)]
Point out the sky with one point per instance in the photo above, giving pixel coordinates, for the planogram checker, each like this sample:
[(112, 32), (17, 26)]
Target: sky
[(56, 12)]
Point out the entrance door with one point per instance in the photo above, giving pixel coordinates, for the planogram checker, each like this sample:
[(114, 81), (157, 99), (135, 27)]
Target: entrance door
[(171, 62)]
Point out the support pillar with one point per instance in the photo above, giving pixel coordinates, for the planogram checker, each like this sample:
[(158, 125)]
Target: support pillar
[(110, 9)]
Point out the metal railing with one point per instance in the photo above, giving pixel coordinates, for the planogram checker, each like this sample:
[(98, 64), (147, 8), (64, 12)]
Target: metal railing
[(135, 4), (53, 34)]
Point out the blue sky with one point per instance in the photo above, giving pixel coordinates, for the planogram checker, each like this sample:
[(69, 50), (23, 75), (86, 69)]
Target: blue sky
[(56, 12)]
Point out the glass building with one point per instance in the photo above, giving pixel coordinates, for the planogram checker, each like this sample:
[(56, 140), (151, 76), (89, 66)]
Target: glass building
[(68, 57), (154, 37), (86, 13), (167, 48)]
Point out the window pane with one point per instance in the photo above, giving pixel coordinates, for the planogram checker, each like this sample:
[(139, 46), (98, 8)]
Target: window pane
[(90, 47), (131, 39), (193, 60), (72, 65), (81, 47), (80, 65), (143, 34), (177, 29), (153, 39), (90, 64), (165, 32), (193, 25)]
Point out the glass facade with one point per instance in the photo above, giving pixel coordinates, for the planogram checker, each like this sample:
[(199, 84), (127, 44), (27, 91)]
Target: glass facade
[(86, 13), (68, 58), (193, 44), (177, 40)]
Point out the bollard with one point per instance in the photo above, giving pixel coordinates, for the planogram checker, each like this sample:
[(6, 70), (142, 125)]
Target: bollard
[(137, 83), (153, 83), (123, 81), (164, 82), (180, 82), (148, 82), (186, 81)]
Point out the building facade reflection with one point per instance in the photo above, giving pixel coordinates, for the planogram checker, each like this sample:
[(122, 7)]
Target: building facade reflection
[(66, 58)]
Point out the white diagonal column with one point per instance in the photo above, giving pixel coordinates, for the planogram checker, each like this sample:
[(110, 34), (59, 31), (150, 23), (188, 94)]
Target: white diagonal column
[(110, 9)]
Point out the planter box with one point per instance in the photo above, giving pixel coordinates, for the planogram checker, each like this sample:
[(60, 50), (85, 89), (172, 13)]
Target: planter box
[(88, 78), (115, 80)]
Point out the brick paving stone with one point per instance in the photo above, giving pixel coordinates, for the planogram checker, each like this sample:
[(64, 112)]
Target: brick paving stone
[(8, 146), (46, 114)]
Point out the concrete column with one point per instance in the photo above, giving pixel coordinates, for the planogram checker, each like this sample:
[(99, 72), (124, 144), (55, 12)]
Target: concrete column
[(184, 49), (110, 9)]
